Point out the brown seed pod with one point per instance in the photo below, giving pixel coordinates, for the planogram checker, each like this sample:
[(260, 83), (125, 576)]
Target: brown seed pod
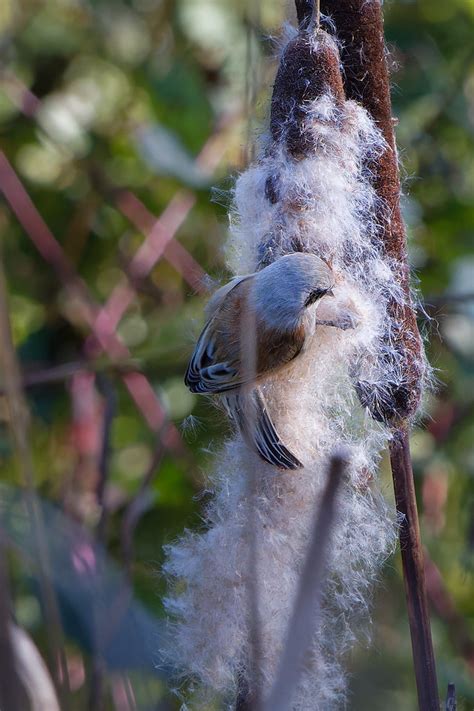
[(359, 28), (309, 67)]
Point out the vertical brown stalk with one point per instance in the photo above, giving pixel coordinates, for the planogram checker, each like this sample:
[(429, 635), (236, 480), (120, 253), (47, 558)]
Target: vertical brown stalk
[(413, 573), (252, 694), (359, 27)]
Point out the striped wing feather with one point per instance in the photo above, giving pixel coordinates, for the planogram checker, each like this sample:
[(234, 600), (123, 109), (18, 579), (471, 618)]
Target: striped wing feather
[(215, 365), (258, 429)]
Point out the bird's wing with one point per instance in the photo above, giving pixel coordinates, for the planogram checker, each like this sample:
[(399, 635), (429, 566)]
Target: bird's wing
[(205, 373), (218, 297), (208, 370), (251, 416), (215, 365)]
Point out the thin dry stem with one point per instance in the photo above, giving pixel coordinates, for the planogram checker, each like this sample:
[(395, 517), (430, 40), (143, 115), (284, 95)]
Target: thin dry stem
[(248, 357), (359, 26), (300, 630)]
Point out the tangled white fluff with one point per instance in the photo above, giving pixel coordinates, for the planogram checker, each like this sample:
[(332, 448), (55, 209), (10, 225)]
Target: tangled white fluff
[(326, 205)]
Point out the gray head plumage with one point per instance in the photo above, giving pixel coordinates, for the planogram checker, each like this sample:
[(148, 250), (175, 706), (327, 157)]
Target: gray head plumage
[(286, 287)]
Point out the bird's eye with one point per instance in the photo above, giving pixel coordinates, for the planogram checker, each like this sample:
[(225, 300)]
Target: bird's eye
[(314, 296)]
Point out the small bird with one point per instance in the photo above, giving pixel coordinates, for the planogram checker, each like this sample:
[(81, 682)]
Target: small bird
[(256, 325)]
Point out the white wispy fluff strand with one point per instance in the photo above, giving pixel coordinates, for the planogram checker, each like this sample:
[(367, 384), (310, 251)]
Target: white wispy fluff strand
[(316, 409)]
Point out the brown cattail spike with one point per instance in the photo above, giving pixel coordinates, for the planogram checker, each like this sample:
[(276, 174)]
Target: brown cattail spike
[(359, 27), (309, 67)]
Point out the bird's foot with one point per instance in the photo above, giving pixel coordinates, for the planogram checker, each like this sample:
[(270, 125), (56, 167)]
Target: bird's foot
[(344, 321)]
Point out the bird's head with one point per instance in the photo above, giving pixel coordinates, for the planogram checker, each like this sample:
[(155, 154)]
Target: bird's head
[(286, 288)]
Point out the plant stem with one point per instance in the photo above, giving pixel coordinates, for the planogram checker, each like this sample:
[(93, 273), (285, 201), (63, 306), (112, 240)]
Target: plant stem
[(451, 698), (359, 28), (413, 573), (304, 621)]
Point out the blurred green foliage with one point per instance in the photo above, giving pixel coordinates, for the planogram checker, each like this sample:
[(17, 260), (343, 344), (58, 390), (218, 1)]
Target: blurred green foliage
[(127, 93)]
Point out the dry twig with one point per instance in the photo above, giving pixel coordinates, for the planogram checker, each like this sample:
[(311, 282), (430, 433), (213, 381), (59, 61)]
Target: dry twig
[(451, 704), (303, 621)]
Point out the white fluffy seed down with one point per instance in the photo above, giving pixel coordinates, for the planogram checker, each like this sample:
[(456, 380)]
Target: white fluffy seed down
[(327, 203)]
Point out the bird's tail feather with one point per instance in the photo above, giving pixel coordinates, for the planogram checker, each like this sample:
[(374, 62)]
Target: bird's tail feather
[(250, 414)]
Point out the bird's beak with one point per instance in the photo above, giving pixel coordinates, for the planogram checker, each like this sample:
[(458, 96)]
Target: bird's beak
[(329, 292)]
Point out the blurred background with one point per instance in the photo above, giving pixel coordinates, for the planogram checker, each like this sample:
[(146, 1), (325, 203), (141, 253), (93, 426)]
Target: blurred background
[(122, 125)]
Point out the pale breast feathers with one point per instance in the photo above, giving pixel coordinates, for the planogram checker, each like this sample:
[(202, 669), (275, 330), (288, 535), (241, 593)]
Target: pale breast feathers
[(216, 364)]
